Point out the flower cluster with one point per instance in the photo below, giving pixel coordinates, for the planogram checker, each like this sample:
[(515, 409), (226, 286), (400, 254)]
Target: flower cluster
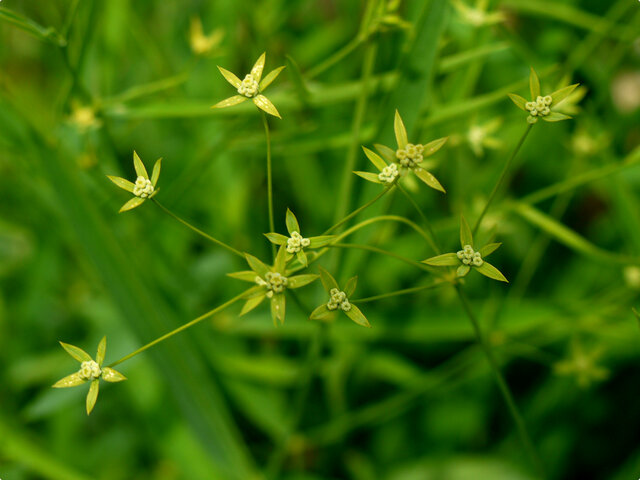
[(249, 86), (143, 187), (297, 242), (338, 300), (540, 107), (90, 370), (410, 156), (389, 173), (274, 281), (470, 257)]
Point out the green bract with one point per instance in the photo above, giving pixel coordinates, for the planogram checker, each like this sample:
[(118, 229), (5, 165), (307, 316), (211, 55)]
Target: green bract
[(407, 157), (338, 300), (251, 87), (90, 371), (144, 187), (271, 283), (296, 243), (468, 257), (542, 106)]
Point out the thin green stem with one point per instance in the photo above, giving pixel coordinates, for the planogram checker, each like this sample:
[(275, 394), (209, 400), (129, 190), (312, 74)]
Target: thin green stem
[(502, 385), (503, 175), (336, 57), (370, 248), (359, 209), (433, 241), (269, 179), (405, 291), (379, 218), (197, 230), (193, 322)]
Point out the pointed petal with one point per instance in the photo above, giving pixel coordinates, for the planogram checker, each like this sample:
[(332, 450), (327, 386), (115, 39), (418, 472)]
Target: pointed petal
[(263, 103), (76, 352), (256, 71), (139, 166), (271, 76), (556, 117), (230, 102), (400, 131), (357, 316), (429, 179), (276, 238), (302, 258), (320, 312), (489, 249), (328, 282), (370, 177), (256, 265), (534, 84), (301, 280), (251, 304), (131, 204), (465, 233), (230, 77), (247, 275), (376, 159), (559, 95), (433, 146), (111, 375), (278, 305), (156, 172), (122, 183), (92, 396), (386, 152), (518, 100), (490, 271), (102, 349), (444, 260), (72, 380), (350, 286), (292, 222), (320, 241), (463, 270), (281, 260)]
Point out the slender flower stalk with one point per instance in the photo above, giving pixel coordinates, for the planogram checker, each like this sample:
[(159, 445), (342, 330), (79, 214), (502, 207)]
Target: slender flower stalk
[(359, 209), (404, 291), (197, 230), (181, 328), (267, 133), (502, 385), (432, 240), (503, 175)]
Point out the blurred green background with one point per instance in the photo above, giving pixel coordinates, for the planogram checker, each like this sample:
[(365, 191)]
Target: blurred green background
[(84, 83)]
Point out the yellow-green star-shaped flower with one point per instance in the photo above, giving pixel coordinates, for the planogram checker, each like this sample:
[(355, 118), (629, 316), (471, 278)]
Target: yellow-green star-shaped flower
[(468, 257), (338, 300), (271, 282), (144, 187), (295, 244), (90, 371), (407, 157), (544, 107), (251, 87)]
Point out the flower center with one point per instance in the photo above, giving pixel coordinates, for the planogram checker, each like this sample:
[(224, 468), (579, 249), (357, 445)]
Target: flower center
[(143, 187), (539, 108), (297, 242), (470, 257), (338, 300), (410, 156), (90, 370), (274, 282), (249, 86), (389, 173)]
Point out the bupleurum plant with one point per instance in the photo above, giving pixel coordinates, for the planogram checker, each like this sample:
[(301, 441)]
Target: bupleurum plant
[(275, 280)]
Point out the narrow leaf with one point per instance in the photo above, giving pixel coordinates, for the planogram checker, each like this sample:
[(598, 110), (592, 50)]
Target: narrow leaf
[(489, 249), (429, 179), (122, 183), (292, 222), (111, 375), (251, 304), (534, 84), (281, 259), (247, 276), (400, 131), (258, 67), (321, 313), (328, 282), (92, 396), (302, 258), (278, 305), (156, 172), (263, 103), (370, 177), (270, 77), (560, 95), (518, 100), (139, 166), (76, 352), (320, 241), (301, 280), (350, 286), (256, 265), (463, 270), (131, 204), (490, 271), (444, 260), (230, 102), (433, 146), (102, 349), (276, 238), (230, 77), (387, 153), (377, 161), (357, 316), (72, 380), (556, 117), (465, 233)]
